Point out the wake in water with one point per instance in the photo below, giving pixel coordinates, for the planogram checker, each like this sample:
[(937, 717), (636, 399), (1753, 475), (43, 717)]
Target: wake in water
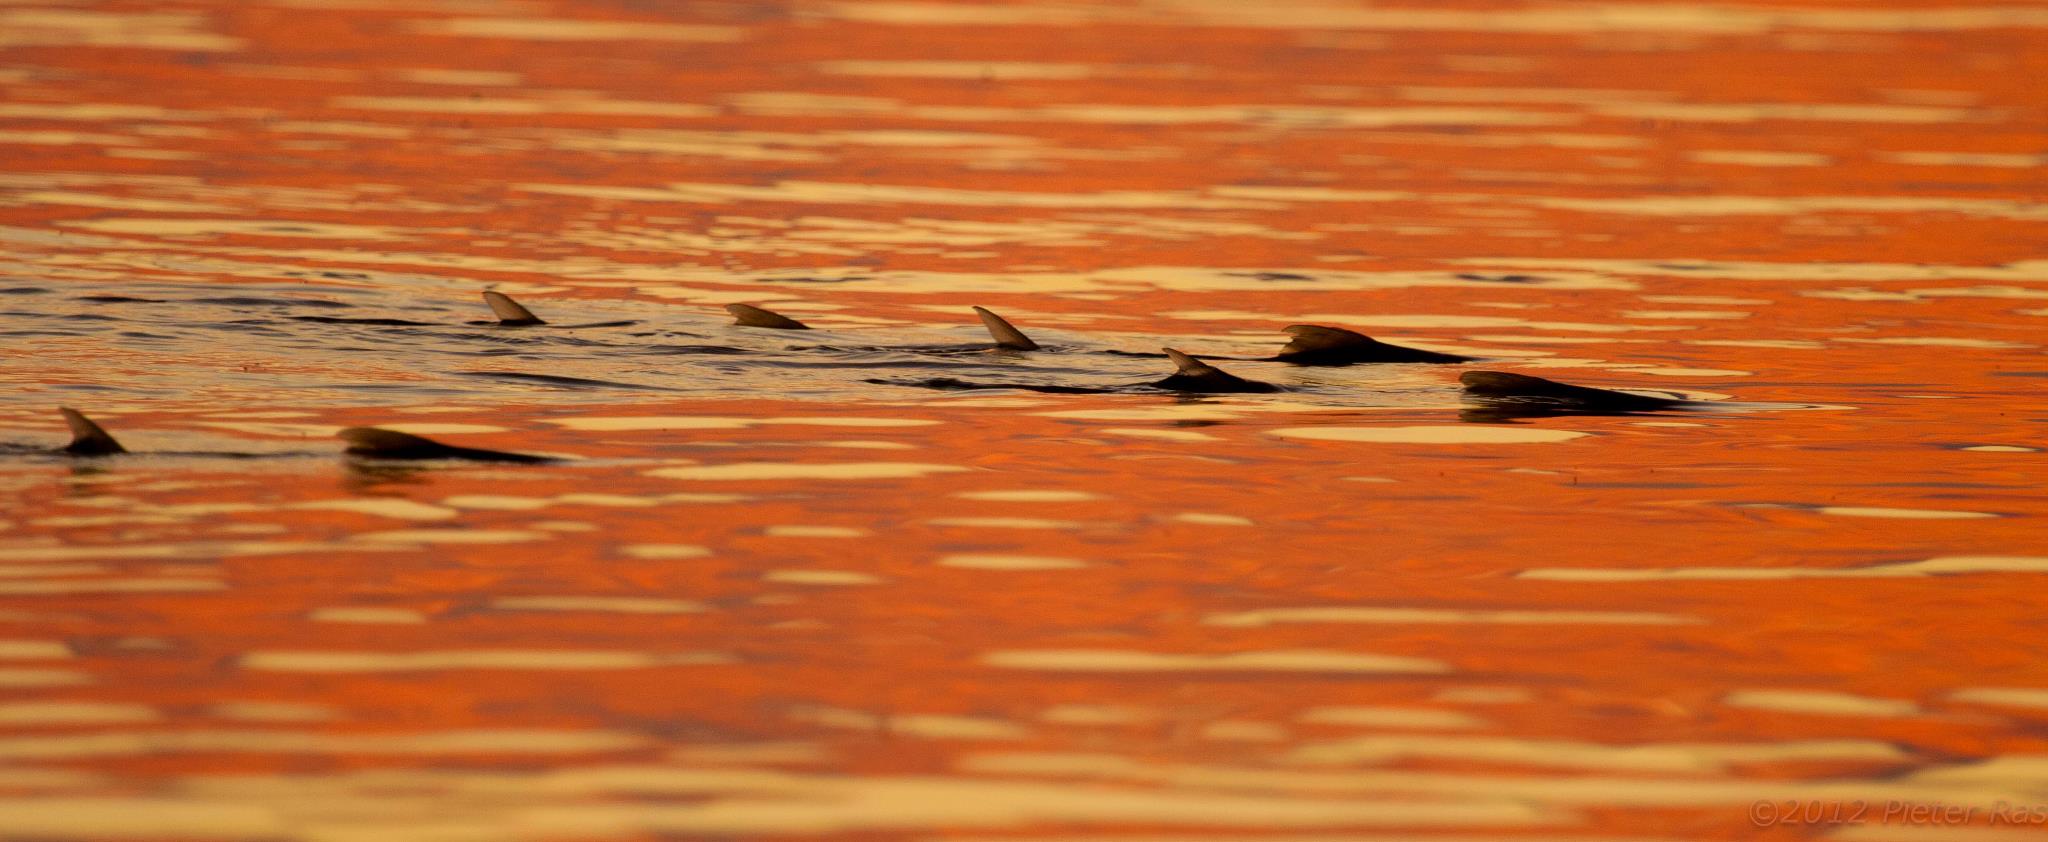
[(1491, 396), (90, 440), (607, 358)]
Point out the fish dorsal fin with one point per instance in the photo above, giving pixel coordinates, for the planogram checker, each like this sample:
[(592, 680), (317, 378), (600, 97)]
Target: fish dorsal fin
[(1006, 335), (1318, 339), (376, 441), (1501, 384), (1193, 375), (379, 443), (748, 315), (1189, 366), (1504, 383), (1325, 345), (510, 312), (87, 438)]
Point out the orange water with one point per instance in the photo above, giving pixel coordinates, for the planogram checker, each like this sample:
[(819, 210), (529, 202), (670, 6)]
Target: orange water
[(772, 599)]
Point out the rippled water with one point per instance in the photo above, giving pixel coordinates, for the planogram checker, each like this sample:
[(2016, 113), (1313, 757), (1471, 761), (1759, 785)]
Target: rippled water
[(767, 596)]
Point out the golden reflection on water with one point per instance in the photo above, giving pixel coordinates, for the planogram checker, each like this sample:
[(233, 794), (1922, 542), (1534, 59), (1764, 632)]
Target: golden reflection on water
[(778, 586)]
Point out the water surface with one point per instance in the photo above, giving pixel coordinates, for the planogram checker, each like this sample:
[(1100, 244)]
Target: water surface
[(766, 597)]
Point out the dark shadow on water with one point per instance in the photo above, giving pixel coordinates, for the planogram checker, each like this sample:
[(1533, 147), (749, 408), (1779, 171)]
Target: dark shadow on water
[(338, 320), (950, 384), (366, 475), (1516, 413), (561, 382)]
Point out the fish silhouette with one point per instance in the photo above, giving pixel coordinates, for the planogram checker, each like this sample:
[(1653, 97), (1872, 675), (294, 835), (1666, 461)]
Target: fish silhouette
[(1322, 345), (1500, 395), (378, 443)]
